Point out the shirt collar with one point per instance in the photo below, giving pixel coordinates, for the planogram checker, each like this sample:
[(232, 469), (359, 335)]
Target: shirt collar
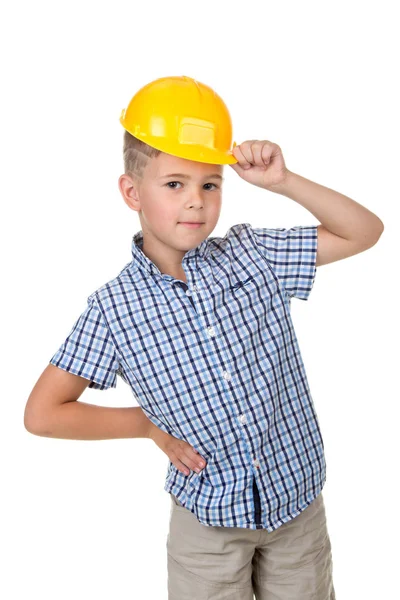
[(142, 261)]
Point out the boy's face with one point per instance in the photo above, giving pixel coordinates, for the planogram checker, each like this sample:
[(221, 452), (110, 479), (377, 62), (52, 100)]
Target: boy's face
[(172, 191)]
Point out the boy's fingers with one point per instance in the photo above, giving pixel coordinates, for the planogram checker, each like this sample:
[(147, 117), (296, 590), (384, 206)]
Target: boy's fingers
[(189, 458), (197, 456), (247, 152), (194, 461), (238, 154), (181, 466), (200, 461), (266, 154)]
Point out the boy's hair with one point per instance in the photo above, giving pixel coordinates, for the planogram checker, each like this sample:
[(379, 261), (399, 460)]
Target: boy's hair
[(136, 155)]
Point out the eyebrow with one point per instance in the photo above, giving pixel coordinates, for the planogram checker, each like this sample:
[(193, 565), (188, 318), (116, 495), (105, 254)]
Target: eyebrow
[(215, 175)]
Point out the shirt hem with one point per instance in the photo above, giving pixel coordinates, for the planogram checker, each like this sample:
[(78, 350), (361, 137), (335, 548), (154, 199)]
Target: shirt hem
[(242, 522)]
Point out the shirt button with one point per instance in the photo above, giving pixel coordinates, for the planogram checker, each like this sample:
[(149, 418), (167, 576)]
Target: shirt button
[(188, 293), (256, 463), (211, 331), (242, 418), (227, 375)]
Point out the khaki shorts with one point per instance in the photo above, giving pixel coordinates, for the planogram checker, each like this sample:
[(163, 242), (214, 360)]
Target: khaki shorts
[(293, 562)]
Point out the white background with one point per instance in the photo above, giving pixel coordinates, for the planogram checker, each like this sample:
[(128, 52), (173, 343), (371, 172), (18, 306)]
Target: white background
[(87, 519)]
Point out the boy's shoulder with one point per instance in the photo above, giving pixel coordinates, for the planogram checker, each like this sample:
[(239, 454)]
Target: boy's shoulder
[(113, 288)]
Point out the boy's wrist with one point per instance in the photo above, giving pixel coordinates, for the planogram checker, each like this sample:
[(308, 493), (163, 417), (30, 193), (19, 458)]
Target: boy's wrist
[(282, 188), (152, 431)]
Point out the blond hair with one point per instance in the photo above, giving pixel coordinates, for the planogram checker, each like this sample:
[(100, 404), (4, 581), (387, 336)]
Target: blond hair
[(136, 155)]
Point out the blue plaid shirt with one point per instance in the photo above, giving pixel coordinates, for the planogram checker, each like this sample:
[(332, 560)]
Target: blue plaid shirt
[(216, 362)]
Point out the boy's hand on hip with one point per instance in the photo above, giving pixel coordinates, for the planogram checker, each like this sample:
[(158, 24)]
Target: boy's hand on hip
[(260, 162), (179, 452)]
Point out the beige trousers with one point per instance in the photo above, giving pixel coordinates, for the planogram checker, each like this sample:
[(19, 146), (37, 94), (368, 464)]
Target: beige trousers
[(294, 562)]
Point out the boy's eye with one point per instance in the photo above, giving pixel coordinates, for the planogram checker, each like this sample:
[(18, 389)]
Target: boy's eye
[(173, 188)]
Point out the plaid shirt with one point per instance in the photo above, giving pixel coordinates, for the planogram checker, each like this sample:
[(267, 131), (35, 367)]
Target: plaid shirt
[(216, 362)]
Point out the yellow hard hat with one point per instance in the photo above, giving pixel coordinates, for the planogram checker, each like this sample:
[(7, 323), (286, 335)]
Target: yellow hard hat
[(182, 117)]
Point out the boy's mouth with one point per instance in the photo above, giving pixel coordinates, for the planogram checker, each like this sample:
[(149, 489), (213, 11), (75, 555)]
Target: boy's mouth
[(192, 224)]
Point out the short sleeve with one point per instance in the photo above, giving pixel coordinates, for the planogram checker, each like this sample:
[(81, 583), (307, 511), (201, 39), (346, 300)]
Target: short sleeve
[(88, 350), (292, 254)]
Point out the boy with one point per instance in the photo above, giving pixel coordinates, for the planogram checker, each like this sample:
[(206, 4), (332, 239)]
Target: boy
[(200, 328)]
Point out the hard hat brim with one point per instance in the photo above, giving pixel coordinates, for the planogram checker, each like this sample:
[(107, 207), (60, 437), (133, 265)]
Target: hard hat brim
[(194, 152)]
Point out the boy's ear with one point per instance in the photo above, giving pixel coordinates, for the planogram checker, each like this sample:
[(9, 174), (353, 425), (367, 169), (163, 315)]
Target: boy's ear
[(129, 188)]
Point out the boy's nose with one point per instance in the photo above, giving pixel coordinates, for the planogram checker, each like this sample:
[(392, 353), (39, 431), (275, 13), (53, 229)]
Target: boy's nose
[(196, 199)]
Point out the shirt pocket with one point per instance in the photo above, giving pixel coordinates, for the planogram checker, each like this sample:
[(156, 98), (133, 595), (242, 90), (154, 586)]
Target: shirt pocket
[(255, 293)]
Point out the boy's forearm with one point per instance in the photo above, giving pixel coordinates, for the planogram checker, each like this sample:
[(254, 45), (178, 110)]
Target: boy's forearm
[(81, 421), (338, 213)]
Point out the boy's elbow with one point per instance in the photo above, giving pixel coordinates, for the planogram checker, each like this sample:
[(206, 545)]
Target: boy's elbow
[(30, 426), (34, 424), (380, 229), (53, 388), (37, 430)]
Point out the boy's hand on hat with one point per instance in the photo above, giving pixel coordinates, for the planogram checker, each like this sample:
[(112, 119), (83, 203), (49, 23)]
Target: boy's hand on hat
[(260, 162), (179, 452)]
